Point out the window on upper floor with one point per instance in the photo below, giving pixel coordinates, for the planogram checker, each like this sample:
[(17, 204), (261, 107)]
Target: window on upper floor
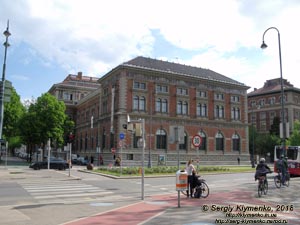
[(219, 111), (182, 108), (235, 113), (162, 88), (261, 102), (182, 91), (202, 109), (235, 98), (272, 100), (139, 103), (139, 85), (161, 105), (219, 96), (201, 94)]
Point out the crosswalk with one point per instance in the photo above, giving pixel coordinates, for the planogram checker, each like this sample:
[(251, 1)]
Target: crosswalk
[(63, 191)]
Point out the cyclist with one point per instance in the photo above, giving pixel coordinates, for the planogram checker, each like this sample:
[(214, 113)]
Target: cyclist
[(281, 166), (262, 169)]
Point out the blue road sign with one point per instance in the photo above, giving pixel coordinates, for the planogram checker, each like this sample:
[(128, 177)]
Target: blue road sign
[(122, 136)]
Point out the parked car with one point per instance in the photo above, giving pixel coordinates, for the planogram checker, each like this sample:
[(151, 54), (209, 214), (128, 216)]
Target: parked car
[(55, 163), (82, 161)]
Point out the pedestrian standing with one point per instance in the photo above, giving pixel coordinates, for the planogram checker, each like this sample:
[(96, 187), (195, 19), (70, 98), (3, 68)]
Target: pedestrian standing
[(190, 169)]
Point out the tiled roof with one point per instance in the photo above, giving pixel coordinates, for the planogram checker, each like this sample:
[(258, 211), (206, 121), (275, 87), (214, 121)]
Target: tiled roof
[(273, 85), (176, 68)]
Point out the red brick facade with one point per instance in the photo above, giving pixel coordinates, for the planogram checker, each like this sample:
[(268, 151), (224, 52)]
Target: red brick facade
[(164, 95)]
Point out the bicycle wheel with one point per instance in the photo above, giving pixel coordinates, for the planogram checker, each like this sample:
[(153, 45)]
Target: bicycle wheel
[(265, 187), (277, 181), (287, 182), (259, 189), (204, 190), (184, 192)]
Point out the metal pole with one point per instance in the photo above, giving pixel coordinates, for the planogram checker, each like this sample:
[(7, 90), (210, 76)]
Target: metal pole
[(70, 158), (6, 44), (282, 90), (48, 145), (143, 155)]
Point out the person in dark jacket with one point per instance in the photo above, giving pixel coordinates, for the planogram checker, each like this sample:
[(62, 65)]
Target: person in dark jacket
[(262, 169)]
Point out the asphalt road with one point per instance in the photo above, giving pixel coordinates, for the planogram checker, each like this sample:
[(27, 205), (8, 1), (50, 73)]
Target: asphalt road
[(53, 197)]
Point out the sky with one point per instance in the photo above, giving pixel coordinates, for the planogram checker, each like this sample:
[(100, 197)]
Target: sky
[(53, 38)]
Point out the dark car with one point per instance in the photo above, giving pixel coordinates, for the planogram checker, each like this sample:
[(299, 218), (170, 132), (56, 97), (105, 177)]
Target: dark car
[(82, 161), (55, 163)]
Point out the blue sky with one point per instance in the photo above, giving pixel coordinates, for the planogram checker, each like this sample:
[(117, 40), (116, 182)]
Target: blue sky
[(53, 38)]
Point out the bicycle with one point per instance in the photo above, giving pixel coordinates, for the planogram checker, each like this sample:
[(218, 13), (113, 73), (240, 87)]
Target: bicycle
[(279, 181), (262, 185), (200, 191)]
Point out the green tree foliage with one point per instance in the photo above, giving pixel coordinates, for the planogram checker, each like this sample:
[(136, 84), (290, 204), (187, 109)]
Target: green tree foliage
[(13, 112), (252, 139), (275, 126), (266, 143), (294, 139), (50, 118), (45, 119)]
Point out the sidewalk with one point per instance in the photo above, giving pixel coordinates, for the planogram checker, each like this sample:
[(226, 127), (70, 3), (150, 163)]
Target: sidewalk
[(164, 210)]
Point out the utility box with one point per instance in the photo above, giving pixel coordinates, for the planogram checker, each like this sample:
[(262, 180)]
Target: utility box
[(181, 180)]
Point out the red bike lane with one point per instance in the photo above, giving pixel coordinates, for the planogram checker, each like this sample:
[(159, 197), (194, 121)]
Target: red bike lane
[(160, 208)]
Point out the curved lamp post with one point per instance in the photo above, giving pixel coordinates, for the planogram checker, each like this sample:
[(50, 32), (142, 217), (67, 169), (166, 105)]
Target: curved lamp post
[(263, 46), (6, 45)]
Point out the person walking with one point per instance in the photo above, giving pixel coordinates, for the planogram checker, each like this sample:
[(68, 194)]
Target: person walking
[(190, 169)]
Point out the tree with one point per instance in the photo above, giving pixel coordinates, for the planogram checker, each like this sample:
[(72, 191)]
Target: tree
[(13, 112), (266, 143), (45, 119), (294, 139), (51, 118), (275, 126)]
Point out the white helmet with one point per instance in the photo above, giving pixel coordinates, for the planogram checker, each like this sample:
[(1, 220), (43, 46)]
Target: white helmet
[(262, 160)]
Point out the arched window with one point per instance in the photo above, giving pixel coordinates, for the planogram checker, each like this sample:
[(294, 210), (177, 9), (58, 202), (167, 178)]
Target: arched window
[(161, 139), (164, 106), (184, 145), (201, 109), (219, 111), (236, 142), (139, 103), (182, 108), (161, 105), (235, 113), (203, 140), (219, 141)]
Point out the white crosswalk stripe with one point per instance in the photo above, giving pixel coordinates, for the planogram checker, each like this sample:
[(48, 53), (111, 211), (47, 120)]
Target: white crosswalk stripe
[(63, 191)]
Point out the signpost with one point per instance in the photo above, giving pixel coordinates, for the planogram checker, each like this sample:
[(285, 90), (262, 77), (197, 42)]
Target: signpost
[(197, 140)]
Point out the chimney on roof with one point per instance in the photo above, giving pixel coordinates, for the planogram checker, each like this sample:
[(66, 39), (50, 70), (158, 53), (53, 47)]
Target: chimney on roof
[(79, 76), (255, 89)]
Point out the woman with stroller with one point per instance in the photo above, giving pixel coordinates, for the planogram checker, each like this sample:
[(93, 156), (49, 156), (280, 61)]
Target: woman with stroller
[(190, 169)]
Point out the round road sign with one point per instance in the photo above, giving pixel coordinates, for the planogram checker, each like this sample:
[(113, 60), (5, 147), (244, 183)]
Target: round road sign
[(197, 140)]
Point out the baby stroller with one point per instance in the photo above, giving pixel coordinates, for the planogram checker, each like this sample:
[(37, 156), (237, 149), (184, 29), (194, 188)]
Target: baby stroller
[(200, 187)]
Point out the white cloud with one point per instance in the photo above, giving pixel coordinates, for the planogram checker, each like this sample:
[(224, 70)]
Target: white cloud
[(95, 36)]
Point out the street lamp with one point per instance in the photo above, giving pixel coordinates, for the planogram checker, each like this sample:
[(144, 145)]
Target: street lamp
[(6, 45), (263, 46)]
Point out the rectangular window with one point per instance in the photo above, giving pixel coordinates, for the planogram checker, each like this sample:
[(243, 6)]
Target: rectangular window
[(182, 91), (139, 85), (235, 98), (202, 94), (161, 88), (219, 96)]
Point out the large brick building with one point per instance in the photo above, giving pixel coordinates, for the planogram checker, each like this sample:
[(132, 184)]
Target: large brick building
[(164, 94), (72, 89), (264, 104)]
